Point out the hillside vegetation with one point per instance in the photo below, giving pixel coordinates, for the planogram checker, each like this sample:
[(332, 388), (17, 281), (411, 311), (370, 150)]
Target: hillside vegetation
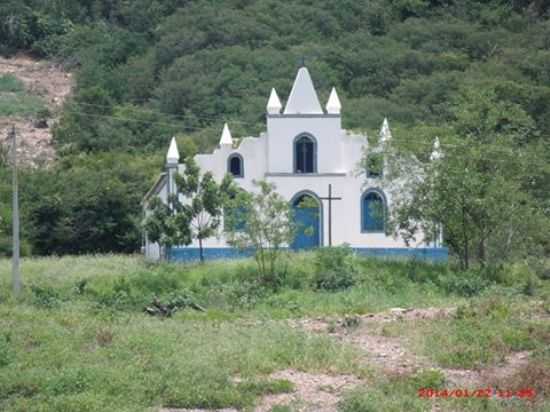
[(148, 70)]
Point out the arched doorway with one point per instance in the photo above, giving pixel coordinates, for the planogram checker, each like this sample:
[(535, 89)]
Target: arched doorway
[(308, 217)]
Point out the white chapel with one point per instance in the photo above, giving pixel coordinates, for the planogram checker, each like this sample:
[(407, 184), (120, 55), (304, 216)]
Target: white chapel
[(306, 154)]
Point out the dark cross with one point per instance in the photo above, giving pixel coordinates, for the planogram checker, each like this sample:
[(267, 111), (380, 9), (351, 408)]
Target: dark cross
[(330, 199)]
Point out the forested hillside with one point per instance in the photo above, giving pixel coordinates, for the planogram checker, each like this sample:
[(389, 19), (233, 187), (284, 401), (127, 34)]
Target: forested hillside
[(147, 70)]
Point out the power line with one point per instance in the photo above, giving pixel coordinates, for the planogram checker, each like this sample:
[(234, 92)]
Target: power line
[(410, 144), (170, 115), (191, 129)]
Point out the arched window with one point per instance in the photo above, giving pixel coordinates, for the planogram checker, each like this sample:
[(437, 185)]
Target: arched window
[(373, 212), (235, 165), (305, 155)]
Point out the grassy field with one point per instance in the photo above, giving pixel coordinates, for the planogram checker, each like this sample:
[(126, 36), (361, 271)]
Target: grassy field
[(78, 339), (14, 99)]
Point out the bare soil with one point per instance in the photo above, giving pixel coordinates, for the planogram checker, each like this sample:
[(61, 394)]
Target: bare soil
[(314, 392), (389, 354), (392, 354), (53, 85)]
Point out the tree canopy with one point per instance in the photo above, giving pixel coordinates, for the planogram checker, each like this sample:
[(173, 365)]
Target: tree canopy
[(146, 70)]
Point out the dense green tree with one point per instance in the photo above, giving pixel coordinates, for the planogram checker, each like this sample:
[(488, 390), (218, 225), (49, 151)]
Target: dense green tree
[(85, 204), (196, 215), (147, 70), (201, 214), (478, 192)]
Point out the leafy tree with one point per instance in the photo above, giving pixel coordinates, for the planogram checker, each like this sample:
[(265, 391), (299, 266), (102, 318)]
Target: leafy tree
[(202, 205), (268, 227), (193, 213), (145, 70), (161, 225), (476, 192), (85, 204)]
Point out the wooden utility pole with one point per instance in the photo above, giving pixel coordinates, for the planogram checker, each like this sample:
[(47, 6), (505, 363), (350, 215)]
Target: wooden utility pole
[(16, 276)]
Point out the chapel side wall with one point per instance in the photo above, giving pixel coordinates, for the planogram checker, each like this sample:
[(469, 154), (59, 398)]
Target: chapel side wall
[(253, 152)]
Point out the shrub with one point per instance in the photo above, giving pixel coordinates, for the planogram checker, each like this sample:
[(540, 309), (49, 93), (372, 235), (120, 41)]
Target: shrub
[(335, 268), (494, 308), (45, 296), (515, 275), (6, 352), (530, 286), (540, 266), (467, 284), (398, 393), (156, 282), (430, 378)]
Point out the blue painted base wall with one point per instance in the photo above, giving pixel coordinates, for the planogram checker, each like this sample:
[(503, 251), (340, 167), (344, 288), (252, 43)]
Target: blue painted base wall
[(191, 254)]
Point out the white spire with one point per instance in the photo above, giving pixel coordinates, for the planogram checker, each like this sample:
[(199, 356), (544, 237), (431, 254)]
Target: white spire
[(436, 151), (333, 105), (173, 155), (274, 105), (226, 138), (385, 132), (303, 97)]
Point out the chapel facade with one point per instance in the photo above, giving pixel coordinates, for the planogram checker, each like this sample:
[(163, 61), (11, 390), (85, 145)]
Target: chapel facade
[(306, 154)]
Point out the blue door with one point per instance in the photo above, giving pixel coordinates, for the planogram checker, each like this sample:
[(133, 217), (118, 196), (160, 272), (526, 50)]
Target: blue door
[(307, 215)]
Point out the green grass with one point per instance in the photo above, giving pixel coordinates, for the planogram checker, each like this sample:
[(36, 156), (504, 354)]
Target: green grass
[(402, 393), (10, 83), (228, 289), (78, 339), (395, 394), (65, 358), (64, 350), (483, 333), (14, 101)]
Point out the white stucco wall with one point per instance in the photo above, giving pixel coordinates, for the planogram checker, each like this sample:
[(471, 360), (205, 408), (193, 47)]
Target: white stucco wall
[(339, 154), (152, 249), (270, 157)]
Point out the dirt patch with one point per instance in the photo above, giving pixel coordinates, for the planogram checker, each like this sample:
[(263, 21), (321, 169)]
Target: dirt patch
[(385, 352), (336, 326), (41, 78), (392, 354), (53, 85), (196, 410), (314, 392)]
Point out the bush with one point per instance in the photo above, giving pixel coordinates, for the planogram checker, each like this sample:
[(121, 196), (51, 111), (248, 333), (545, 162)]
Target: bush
[(430, 378), (6, 352), (467, 284), (45, 296), (541, 267), (494, 308), (335, 268)]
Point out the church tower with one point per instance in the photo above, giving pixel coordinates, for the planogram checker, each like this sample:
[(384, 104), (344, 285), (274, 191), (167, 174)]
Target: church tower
[(304, 139)]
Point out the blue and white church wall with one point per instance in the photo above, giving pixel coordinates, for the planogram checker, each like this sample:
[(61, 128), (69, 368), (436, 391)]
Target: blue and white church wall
[(303, 151)]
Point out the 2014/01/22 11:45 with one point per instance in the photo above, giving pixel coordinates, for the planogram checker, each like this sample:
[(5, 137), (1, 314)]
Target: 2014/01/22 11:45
[(526, 393)]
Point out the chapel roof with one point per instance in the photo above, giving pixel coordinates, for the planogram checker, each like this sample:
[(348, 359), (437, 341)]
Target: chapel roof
[(303, 97)]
